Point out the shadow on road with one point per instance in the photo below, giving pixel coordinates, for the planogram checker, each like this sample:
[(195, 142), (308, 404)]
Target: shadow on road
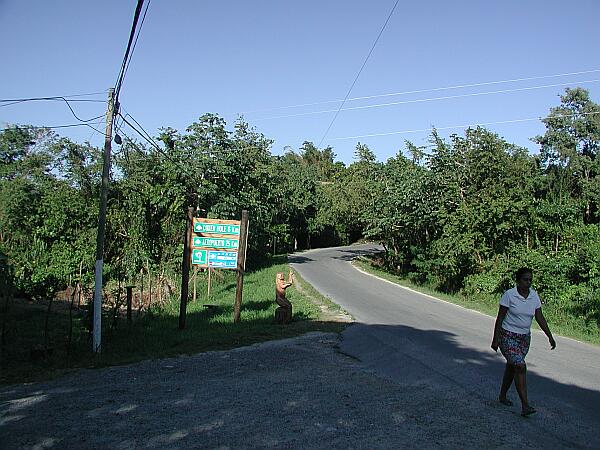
[(413, 357), (349, 255), (299, 259), (223, 399)]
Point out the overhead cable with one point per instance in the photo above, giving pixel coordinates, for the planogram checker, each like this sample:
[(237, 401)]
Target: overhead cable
[(446, 97), (55, 99), (421, 91), (51, 127), (529, 119), (154, 144), (136, 16), (136, 37), (359, 72)]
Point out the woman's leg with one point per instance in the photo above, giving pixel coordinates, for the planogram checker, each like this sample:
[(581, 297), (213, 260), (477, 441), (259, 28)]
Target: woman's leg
[(521, 385), (507, 379)]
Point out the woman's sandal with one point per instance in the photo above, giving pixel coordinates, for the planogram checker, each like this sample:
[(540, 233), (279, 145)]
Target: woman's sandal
[(505, 401), (528, 411)]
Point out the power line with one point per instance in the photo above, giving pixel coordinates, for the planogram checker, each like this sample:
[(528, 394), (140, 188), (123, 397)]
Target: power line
[(121, 76), (53, 97), (16, 101), (446, 97), (151, 141), (359, 72), (136, 37), (52, 127), (95, 131), (147, 135), (529, 119), (420, 91), (58, 98)]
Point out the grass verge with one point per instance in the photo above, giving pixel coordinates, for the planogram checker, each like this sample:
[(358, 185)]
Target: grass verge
[(156, 334), (559, 323)]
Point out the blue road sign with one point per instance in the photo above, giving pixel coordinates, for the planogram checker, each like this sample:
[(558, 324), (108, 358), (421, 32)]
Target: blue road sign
[(222, 260)]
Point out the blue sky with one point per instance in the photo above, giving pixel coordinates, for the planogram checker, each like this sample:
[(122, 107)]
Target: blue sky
[(257, 58)]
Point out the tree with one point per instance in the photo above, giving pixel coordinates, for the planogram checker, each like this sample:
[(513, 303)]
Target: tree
[(569, 151)]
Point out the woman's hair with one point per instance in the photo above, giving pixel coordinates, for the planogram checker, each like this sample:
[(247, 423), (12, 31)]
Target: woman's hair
[(522, 271)]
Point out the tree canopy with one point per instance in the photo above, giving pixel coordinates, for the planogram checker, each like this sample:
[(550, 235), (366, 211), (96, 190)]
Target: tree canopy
[(460, 214)]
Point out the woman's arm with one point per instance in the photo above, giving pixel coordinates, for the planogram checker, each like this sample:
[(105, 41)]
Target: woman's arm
[(499, 319), (541, 320)]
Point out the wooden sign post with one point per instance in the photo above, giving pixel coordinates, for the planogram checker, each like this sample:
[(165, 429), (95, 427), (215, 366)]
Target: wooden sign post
[(185, 268), (217, 244), (241, 267)]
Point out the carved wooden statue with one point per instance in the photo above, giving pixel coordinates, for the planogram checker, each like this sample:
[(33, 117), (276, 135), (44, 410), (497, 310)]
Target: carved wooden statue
[(283, 314)]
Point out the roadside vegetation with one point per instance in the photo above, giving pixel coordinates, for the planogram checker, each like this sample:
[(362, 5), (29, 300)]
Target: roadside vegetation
[(484, 303), (458, 215), (155, 334)]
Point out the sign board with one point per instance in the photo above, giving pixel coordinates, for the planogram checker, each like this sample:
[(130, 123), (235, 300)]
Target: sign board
[(215, 243), (199, 257), (210, 242), (205, 228), (222, 260)]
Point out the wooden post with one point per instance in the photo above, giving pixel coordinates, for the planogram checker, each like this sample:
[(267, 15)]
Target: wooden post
[(185, 268), (241, 266), (209, 282), (194, 279), (141, 303), (79, 285), (129, 297), (149, 283)]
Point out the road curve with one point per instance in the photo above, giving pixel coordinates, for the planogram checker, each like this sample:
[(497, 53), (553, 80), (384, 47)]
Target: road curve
[(418, 340)]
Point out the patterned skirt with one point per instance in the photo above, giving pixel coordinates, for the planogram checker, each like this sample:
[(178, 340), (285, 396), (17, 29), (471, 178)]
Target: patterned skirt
[(514, 346)]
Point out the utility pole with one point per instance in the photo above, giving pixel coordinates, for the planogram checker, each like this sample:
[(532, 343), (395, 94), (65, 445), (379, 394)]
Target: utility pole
[(185, 267), (97, 325)]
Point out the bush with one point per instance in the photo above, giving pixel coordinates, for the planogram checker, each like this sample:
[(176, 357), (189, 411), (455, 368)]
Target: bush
[(486, 283)]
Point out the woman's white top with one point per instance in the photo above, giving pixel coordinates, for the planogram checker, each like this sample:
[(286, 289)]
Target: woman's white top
[(520, 310)]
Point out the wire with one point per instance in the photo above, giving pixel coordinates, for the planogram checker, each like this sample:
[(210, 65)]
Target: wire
[(136, 37), (459, 126), (447, 97), (55, 99), (359, 72), (16, 101), (147, 137), (52, 127), (151, 141), (420, 91), (95, 131), (136, 16)]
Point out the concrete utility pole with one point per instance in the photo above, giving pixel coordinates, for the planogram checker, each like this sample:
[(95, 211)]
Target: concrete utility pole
[(97, 325)]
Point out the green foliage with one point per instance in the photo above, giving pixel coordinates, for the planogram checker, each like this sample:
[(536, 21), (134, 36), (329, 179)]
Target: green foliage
[(49, 190), (464, 217), (460, 214), (156, 334)]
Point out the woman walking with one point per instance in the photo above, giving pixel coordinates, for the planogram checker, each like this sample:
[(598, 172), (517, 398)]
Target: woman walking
[(512, 333)]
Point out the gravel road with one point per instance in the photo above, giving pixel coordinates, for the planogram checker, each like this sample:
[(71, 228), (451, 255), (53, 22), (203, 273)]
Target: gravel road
[(294, 393)]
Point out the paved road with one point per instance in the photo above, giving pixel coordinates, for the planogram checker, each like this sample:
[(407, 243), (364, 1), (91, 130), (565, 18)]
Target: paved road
[(415, 373), (417, 340)]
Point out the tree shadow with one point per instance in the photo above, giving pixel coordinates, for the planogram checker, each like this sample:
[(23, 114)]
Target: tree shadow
[(351, 254), (440, 390), (257, 305), (412, 356), (298, 259)]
